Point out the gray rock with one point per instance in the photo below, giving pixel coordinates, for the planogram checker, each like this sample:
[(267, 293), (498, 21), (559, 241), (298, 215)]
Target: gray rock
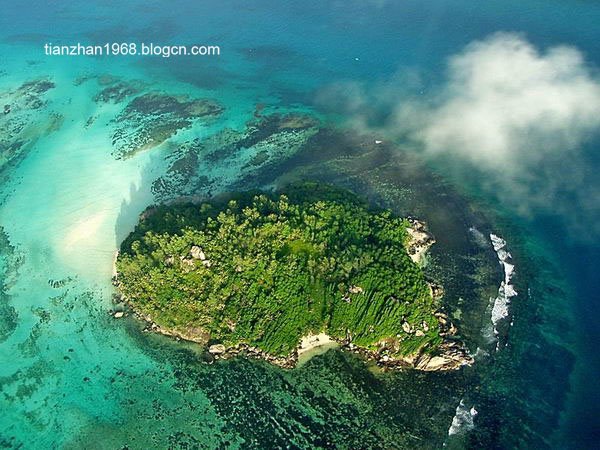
[(197, 253), (216, 349)]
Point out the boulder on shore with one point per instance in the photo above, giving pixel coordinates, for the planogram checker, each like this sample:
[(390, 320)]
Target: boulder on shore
[(216, 349)]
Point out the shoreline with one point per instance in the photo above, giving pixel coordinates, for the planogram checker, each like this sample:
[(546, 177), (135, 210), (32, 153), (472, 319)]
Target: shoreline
[(419, 242), (313, 345), (453, 354), (114, 265)]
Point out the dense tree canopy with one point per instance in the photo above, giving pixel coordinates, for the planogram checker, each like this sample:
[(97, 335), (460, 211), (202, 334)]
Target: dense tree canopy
[(266, 269)]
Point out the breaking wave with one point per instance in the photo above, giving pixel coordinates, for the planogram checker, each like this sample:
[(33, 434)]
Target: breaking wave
[(463, 419), (506, 291)]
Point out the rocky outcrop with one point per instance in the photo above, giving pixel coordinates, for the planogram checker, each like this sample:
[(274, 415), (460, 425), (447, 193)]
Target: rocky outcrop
[(437, 291), (452, 356), (449, 356), (419, 240), (217, 349), (197, 253)]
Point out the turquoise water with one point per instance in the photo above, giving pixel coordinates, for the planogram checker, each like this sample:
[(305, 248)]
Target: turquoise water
[(74, 377)]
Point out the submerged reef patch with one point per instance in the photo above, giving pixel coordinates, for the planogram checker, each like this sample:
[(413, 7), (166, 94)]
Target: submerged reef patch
[(10, 261), (117, 92), (150, 119), (214, 163), (19, 126)]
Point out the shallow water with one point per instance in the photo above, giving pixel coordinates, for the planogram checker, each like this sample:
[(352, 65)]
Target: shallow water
[(73, 377)]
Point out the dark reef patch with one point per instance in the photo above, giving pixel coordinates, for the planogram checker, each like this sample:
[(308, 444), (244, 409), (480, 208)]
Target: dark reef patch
[(150, 119), (20, 127), (117, 92), (196, 167), (203, 75), (10, 261)]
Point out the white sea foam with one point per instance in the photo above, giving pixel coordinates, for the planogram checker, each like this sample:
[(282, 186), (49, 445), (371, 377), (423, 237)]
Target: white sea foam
[(480, 354), (463, 419), (479, 237), (497, 242), (501, 304)]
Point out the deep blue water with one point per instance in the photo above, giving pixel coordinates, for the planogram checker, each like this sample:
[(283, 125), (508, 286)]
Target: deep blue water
[(289, 53)]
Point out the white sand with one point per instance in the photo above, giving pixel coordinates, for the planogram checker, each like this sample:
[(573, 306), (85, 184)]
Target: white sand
[(114, 264), (84, 247), (83, 231), (313, 345)]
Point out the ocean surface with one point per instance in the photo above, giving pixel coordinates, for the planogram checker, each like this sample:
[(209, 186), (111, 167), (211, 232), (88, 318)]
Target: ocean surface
[(72, 376)]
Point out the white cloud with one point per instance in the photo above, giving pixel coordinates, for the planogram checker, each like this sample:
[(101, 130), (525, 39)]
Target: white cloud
[(518, 115), (505, 102)]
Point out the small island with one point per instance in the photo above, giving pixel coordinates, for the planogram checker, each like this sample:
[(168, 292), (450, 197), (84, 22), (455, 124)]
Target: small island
[(272, 275)]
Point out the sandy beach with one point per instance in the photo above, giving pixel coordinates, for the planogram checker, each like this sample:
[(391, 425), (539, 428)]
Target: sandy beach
[(313, 345)]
